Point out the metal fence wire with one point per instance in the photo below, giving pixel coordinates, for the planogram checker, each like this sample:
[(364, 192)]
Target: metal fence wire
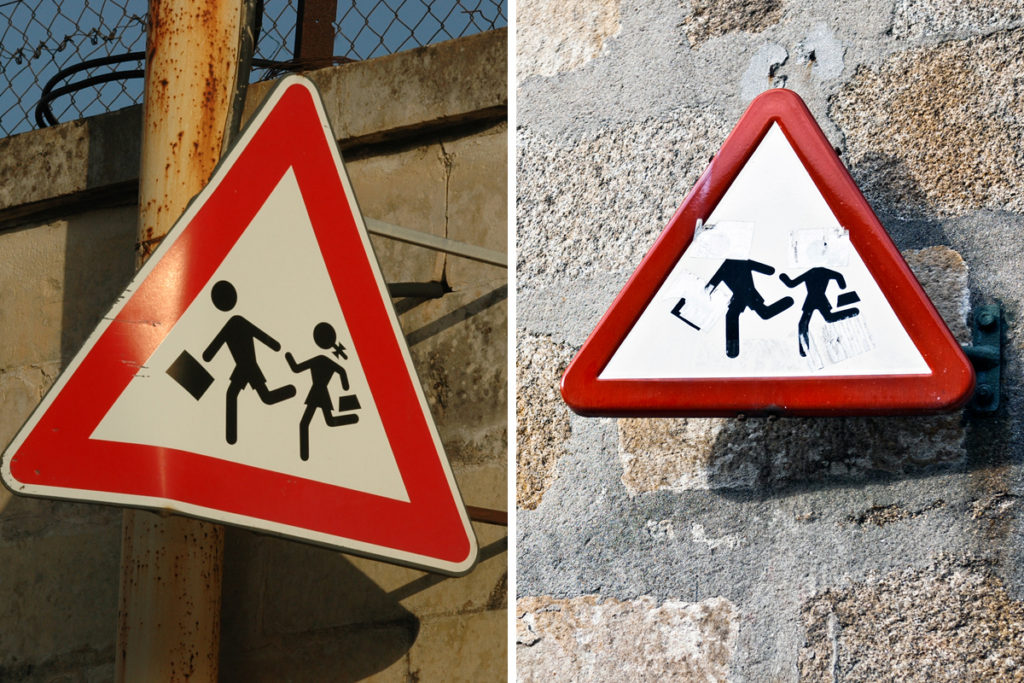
[(85, 57)]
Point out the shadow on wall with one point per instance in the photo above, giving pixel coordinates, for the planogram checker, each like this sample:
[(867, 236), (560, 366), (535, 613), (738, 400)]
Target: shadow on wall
[(293, 611), (769, 456)]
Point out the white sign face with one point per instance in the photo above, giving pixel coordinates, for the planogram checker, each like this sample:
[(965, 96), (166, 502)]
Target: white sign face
[(282, 289), (771, 286)]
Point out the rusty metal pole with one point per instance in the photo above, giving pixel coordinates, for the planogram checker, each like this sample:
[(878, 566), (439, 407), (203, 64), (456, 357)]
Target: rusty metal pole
[(169, 613)]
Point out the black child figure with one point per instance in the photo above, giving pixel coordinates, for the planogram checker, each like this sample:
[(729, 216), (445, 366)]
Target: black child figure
[(240, 336), (321, 369), (738, 277), (816, 280)]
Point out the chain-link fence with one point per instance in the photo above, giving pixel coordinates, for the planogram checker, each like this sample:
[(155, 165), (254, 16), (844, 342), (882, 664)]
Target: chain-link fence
[(84, 58)]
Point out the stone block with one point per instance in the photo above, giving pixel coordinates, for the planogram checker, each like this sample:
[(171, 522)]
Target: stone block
[(464, 648), (542, 418), (708, 19), (406, 188), (720, 453), (951, 621), (595, 202), (477, 203), (916, 19), (555, 37), (594, 638), (912, 151)]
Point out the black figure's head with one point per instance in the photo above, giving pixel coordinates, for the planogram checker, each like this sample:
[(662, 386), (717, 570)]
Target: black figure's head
[(324, 335), (224, 295)]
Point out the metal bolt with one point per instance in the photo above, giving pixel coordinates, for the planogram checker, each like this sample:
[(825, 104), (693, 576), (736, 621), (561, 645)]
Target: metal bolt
[(986, 321), (984, 395)]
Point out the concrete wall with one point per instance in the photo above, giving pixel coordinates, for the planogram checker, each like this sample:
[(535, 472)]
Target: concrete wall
[(766, 549), (424, 136)]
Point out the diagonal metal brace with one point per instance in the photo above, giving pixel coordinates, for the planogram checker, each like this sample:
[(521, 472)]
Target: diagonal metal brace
[(985, 355)]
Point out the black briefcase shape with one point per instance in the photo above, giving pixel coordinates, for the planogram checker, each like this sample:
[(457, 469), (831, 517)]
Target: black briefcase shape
[(348, 402), (192, 376)]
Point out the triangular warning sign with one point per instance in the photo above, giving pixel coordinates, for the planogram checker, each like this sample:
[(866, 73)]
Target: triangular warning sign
[(774, 289), (254, 371)]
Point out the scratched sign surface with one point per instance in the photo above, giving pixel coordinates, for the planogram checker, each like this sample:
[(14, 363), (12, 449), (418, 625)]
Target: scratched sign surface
[(771, 286)]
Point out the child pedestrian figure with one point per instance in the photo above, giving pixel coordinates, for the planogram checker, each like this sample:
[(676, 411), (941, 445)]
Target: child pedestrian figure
[(321, 369)]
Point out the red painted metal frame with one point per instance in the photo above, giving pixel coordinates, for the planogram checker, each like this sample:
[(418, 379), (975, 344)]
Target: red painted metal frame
[(947, 387), (59, 453)]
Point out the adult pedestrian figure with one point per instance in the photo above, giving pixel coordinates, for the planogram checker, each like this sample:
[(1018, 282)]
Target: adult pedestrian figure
[(240, 336), (817, 280), (738, 276), (321, 369)]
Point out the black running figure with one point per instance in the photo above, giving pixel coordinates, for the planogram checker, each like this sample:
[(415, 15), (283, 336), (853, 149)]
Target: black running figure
[(321, 369), (738, 277), (240, 335), (816, 280)]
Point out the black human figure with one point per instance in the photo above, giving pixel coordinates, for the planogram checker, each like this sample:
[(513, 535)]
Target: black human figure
[(240, 335), (321, 369), (816, 280), (738, 277)]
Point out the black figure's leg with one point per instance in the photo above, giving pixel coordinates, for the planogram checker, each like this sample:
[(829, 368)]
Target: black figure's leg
[(831, 316), (803, 331), (231, 412), (338, 420), (307, 417), (276, 396), (771, 311), (732, 331)]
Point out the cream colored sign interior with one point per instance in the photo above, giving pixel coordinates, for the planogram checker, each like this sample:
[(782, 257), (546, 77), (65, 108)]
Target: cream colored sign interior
[(771, 286), (283, 289)]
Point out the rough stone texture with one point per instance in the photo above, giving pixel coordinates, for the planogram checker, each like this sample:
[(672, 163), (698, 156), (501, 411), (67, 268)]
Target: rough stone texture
[(709, 18), (596, 202), (949, 621), (928, 119), (590, 638), (552, 37), (717, 453), (915, 151), (915, 19), (542, 419)]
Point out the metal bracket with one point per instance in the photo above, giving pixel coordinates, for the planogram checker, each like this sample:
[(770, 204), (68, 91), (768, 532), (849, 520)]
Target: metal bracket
[(985, 355)]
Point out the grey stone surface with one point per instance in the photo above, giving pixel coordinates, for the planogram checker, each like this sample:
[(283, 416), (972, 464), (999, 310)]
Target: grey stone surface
[(589, 638), (950, 620), (937, 130), (943, 18), (921, 99), (553, 37), (542, 419), (595, 203), (708, 19)]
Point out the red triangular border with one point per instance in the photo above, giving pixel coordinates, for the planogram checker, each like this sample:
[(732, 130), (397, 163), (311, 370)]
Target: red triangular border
[(54, 456), (947, 387)]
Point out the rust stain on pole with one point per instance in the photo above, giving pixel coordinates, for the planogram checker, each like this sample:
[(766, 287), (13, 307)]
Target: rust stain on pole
[(169, 614)]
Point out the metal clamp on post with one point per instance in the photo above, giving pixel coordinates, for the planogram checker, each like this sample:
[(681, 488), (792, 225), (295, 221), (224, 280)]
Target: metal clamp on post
[(985, 355)]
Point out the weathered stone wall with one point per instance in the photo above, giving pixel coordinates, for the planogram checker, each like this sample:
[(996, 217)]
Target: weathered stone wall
[(850, 549), (425, 140)]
